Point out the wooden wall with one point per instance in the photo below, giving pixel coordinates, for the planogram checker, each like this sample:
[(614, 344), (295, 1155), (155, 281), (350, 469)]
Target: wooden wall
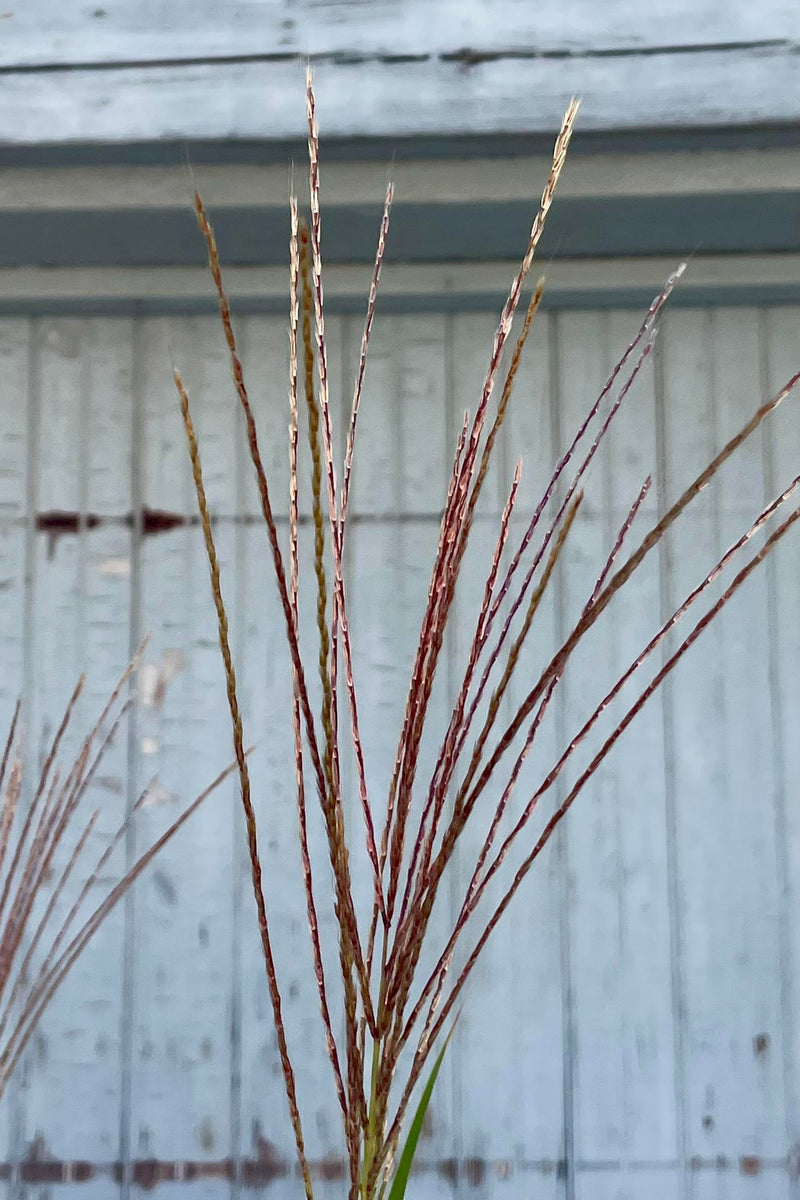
[(116, 71), (632, 1031)]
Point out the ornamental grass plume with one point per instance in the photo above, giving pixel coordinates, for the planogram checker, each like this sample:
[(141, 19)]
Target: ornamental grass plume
[(39, 942), (392, 1012)]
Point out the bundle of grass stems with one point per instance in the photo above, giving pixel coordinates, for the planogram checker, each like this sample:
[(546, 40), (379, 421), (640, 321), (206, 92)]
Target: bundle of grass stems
[(392, 1014), (49, 883)]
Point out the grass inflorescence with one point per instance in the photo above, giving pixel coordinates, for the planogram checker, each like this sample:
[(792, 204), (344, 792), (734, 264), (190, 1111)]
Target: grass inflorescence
[(412, 833), (39, 942)]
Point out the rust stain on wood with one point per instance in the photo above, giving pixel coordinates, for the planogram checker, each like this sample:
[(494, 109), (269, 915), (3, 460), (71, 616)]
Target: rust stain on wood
[(448, 1168), (475, 1171), (760, 1044), (268, 1165), (60, 522), (158, 520), (57, 522)]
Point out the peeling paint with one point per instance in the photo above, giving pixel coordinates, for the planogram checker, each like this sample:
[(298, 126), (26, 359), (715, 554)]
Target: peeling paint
[(114, 568), (148, 682), (156, 794), (154, 679), (760, 1044)]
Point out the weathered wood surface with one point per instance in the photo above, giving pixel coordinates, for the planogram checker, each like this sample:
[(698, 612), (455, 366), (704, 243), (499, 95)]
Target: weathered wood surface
[(44, 33), (639, 1006), (118, 72)]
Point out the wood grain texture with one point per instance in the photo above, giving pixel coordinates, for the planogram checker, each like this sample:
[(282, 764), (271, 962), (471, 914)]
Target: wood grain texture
[(45, 33), (781, 344), (644, 991), (618, 895), (183, 738), (723, 778), (79, 611), (118, 73), (16, 541), (684, 88)]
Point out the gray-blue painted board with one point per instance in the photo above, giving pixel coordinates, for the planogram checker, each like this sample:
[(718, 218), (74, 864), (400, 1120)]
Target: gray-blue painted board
[(124, 72), (649, 997)]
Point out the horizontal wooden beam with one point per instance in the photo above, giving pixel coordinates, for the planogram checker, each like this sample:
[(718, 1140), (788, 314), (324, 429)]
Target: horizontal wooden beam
[(448, 148), (521, 88), (47, 32), (517, 176), (578, 227), (590, 282)]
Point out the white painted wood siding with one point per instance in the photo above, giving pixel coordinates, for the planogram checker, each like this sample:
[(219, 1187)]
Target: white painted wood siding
[(643, 994), (119, 71)]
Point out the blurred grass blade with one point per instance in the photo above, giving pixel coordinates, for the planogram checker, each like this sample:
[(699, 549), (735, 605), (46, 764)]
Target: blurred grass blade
[(407, 1157)]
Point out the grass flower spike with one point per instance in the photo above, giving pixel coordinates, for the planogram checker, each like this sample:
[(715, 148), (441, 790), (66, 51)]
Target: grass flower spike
[(383, 1015)]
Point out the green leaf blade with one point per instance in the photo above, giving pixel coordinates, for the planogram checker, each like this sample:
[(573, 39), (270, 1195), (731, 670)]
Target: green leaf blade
[(400, 1181)]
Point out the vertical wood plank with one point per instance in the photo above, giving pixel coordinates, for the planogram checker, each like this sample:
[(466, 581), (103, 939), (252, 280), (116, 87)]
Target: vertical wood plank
[(781, 444), (265, 349), (14, 468), (513, 1067), (619, 930), (408, 395), (534, 928), (16, 454), (479, 1054), (369, 564), (266, 689), (723, 769), (182, 989), (637, 772), (81, 617), (392, 541), (266, 1134)]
